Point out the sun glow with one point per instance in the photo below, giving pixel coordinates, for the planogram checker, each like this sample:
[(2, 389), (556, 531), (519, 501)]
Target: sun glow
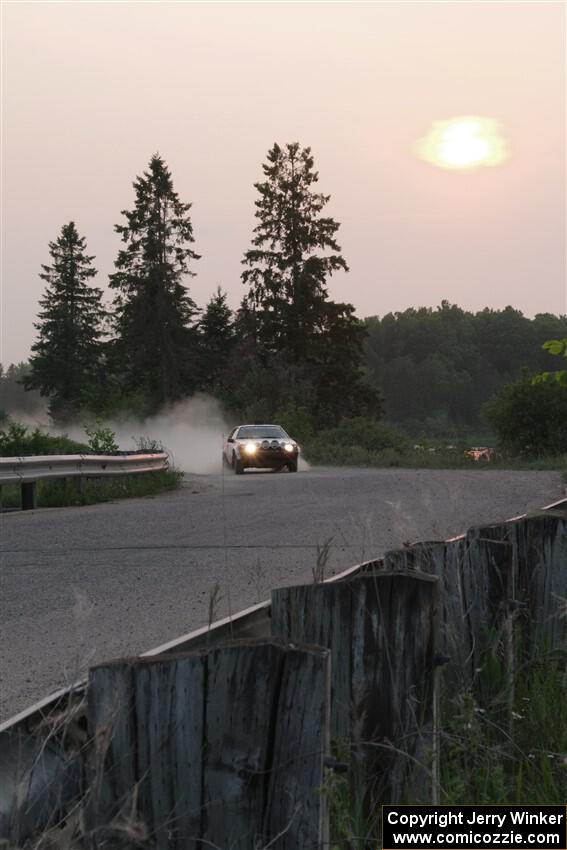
[(464, 143)]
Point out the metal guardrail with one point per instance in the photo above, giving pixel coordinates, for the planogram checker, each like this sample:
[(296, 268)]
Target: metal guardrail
[(27, 471), (18, 470)]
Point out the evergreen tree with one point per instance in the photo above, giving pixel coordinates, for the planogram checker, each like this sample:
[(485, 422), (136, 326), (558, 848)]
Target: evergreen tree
[(66, 355), (216, 341), (156, 341), (288, 267), (293, 255)]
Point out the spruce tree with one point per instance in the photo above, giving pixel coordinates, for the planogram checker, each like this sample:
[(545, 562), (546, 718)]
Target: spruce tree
[(156, 335), (294, 253), (66, 356), (216, 341)]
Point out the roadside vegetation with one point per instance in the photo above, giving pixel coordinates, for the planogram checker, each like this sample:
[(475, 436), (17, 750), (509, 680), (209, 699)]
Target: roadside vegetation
[(515, 748), (359, 441), (67, 492), (16, 440), (431, 455), (511, 750)]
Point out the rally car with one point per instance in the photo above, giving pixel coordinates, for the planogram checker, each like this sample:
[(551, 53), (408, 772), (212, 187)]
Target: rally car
[(260, 447)]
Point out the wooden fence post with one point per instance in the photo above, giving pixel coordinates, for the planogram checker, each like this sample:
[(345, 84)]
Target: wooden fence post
[(381, 629), (539, 545), (444, 560), (504, 591), (224, 748)]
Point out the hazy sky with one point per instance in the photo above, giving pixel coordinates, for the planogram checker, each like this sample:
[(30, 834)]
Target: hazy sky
[(91, 90)]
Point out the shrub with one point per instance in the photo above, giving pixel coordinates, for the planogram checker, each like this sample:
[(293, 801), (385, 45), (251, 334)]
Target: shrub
[(102, 440), (296, 420), (17, 441), (530, 418), (359, 432)]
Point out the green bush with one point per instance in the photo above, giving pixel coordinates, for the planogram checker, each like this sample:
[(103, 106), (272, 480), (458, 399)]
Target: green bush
[(369, 434), (17, 441), (297, 421), (357, 442), (530, 418), (102, 440)]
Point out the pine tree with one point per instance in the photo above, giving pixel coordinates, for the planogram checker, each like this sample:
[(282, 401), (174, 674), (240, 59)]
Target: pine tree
[(293, 255), (156, 340), (66, 355), (216, 341), (294, 252)]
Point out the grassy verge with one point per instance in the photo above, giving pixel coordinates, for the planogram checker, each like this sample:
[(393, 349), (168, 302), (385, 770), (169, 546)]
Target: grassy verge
[(64, 493), (439, 458), (511, 752), (365, 442)]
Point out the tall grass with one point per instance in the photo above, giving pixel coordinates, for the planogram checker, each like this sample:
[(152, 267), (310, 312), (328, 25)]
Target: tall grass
[(512, 752)]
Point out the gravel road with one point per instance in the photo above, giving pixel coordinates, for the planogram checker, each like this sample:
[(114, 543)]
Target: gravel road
[(80, 585)]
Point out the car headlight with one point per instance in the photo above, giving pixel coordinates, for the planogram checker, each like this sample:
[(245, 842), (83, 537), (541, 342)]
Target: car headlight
[(250, 448), (288, 447)]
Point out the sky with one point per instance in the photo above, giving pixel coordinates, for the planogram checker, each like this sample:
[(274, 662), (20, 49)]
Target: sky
[(91, 90)]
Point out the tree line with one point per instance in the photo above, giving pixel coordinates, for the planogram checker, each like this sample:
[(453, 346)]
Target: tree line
[(288, 342), (289, 352), (438, 367)]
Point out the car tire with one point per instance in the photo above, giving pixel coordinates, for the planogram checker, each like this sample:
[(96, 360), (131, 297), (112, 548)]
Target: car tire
[(292, 466), (237, 465)]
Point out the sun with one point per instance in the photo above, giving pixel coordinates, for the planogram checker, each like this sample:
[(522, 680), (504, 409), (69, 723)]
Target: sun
[(464, 143)]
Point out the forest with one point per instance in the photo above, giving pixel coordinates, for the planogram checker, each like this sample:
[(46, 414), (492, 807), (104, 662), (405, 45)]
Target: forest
[(434, 367), (437, 367)]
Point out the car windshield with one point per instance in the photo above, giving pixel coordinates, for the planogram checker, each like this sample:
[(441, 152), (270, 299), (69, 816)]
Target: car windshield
[(261, 432)]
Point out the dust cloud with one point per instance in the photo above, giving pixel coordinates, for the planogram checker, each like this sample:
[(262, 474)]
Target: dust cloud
[(192, 432)]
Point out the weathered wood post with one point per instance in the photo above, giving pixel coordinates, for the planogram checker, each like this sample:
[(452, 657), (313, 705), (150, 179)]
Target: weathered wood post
[(539, 545), (504, 591), (443, 559), (223, 748), (381, 629)]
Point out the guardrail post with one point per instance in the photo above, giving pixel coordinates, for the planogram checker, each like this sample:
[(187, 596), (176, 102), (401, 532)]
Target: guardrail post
[(80, 487), (29, 496)]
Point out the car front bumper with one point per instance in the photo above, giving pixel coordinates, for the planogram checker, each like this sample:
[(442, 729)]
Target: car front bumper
[(268, 458)]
